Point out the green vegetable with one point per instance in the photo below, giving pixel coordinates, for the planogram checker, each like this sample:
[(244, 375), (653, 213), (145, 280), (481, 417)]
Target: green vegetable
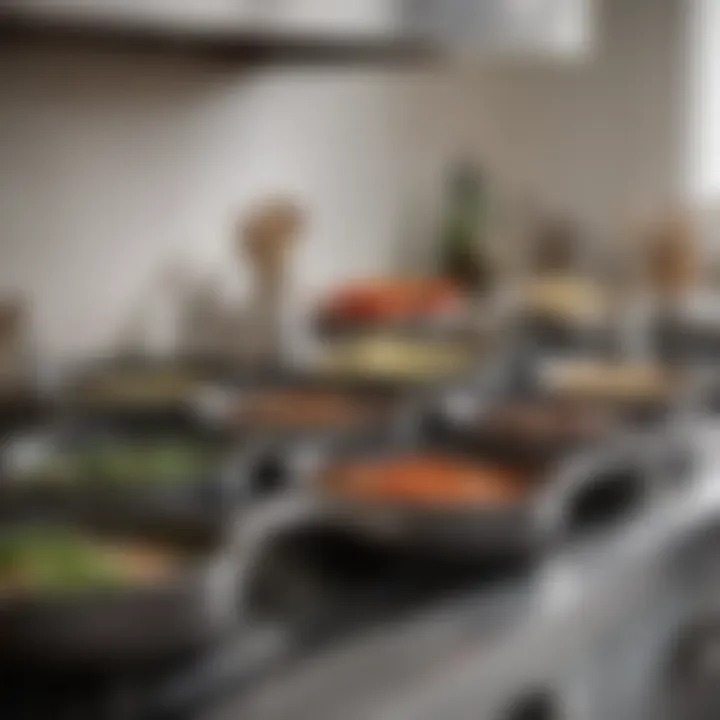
[(54, 560), (126, 463)]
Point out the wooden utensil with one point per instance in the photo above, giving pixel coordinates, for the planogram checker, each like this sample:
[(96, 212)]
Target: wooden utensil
[(265, 238)]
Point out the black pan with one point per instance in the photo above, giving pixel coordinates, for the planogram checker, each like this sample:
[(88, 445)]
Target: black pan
[(552, 334), (574, 493), (175, 412), (578, 494), (633, 410), (183, 502), (22, 410), (564, 423), (126, 626)]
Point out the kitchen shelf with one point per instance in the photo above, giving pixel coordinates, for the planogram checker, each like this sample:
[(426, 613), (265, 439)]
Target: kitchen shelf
[(247, 45)]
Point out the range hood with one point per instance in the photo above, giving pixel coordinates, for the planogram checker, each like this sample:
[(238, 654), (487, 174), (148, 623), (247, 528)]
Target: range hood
[(478, 28), (300, 30)]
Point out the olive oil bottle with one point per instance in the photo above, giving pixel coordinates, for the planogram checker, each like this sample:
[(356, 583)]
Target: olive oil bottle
[(463, 252)]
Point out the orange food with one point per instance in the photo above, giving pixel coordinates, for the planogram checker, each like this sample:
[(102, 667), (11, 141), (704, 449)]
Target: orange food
[(428, 480), (392, 299)]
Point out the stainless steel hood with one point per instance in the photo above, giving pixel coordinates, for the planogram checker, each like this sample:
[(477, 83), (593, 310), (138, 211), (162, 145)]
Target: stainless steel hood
[(477, 28), (327, 30)]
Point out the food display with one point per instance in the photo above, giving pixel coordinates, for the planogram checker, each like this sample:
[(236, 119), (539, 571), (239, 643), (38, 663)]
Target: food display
[(610, 380), (427, 481), (119, 463), (387, 300), (46, 560), (396, 359), (306, 409)]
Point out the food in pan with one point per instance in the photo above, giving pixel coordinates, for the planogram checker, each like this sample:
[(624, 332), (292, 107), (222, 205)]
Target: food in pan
[(610, 380), (547, 422), (306, 409), (36, 560), (132, 463), (427, 480), (139, 387), (392, 299), (396, 359), (568, 298)]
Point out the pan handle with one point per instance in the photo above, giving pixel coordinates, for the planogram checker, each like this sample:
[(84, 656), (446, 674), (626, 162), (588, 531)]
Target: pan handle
[(262, 523), (597, 489), (244, 480), (266, 466)]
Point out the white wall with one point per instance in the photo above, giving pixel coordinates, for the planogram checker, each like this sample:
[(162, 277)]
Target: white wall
[(110, 167), (603, 139)]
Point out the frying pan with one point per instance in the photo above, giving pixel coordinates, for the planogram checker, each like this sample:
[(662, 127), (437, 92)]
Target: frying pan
[(583, 492), (472, 416), (577, 493), (172, 413), (183, 502), (680, 397), (487, 426), (127, 626)]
